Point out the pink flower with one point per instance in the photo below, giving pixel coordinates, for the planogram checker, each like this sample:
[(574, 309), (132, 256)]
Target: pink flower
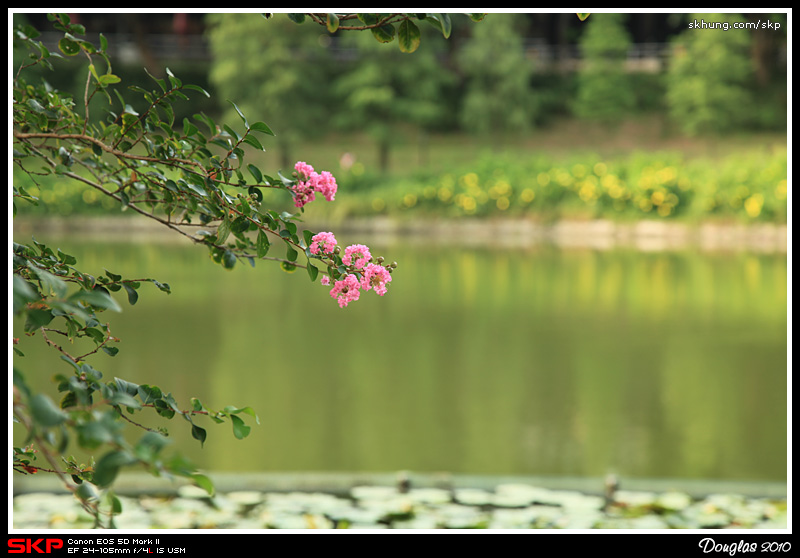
[(325, 184), (346, 290), (375, 277), (357, 255), (309, 181), (325, 280), (324, 242), (303, 193), (303, 169)]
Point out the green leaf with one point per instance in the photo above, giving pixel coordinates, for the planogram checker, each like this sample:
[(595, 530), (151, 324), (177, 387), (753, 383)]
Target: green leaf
[(35, 105), (124, 400), (447, 25), (441, 22), (116, 504), (583, 17), (45, 412), (36, 318), (50, 283), (254, 170), (228, 259), (69, 47), (332, 23), (86, 492), (23, 293), (151, 443), (263, 128), (223, 231), (149, 394), (262, 244), (230, 409), (66, 258), (189, 129), (408, 36), (133, 296), (108, 79), (95, 334), (239, 112), (198, 89), (203, 482), (162, 286), (161, 83), (199, 434), (384, 33), (107, 468), (202, 117), (251, 140), (312, 271), (96, 298), (240, 429), (128, 387)]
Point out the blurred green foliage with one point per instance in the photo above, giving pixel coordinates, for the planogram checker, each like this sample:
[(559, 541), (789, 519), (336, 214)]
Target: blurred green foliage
[(263, 67), (604, 87), (710, 75), (497, 94), (322, 88), (487, 78)]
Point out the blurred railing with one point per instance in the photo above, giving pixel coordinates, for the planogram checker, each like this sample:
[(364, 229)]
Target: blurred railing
[(648, 57)]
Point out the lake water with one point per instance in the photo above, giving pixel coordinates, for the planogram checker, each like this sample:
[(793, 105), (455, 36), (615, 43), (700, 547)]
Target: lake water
[(541, 361)]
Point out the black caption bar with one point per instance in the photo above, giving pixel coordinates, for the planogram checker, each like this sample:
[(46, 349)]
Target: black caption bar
[(714, 543)]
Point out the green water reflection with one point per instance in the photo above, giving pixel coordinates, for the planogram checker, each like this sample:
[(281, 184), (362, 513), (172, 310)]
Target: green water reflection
[(546, 362)]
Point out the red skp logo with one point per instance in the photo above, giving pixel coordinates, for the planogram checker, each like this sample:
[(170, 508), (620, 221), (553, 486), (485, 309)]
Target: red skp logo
[(29, 546)]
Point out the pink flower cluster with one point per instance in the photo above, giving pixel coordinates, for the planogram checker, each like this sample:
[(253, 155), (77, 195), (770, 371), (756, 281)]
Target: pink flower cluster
[(356, 255), (310, 182), (375, 277), (346, 290), (372, 276), (323, 242)]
